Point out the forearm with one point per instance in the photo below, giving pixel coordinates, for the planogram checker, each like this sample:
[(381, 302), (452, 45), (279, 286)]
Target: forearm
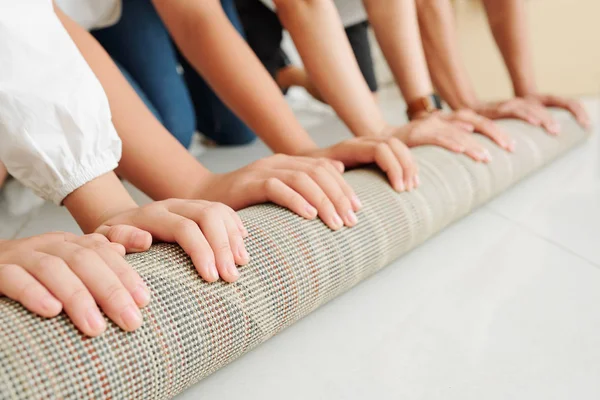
[(152, 158), (440, 43), (212, 45), (319, 36), (97, 201), (508, 22), (397, 31)]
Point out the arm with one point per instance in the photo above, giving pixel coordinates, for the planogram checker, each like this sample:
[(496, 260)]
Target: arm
[(211, 44), (318, 34), (396, 28), (437, 26), (55, 123), (508, 22)]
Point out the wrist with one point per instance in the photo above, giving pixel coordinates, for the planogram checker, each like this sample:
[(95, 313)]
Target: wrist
[(524, 89), (97, 201), (423, 105), (203, 189)]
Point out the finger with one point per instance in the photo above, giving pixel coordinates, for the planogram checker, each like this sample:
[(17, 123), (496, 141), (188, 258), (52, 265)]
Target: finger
[(134, 239), (466, 126), (103, 284), (575, 108), (490, 129), (342, 183), (236, 241), (326, 178), (284, 196), (211, 221), (94, 240), (387, 161), (115, 261), (474, 149), (407, 162), (172, 227), (19, 285), (547, 121), (338, 165), (231, 221), (302, 183), (447, 141), (66, 287), (239, 223)]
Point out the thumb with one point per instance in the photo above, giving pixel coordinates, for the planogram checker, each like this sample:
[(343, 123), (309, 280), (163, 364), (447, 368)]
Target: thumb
[(133, 239)]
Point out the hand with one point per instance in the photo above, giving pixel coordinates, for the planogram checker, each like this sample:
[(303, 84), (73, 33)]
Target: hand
[(212, 234), (389, 153), (532, 112), (435, 131), (307, 186), (56, 271), (472, 122), (573, 106)]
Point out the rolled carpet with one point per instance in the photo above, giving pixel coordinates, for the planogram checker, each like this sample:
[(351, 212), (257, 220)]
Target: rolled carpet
[(192, 328)]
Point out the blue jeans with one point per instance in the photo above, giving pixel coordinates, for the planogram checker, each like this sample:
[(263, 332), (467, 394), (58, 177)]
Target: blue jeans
[(183, 102)]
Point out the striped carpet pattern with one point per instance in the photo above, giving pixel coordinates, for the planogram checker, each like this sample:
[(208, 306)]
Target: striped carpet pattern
[(192, 328)]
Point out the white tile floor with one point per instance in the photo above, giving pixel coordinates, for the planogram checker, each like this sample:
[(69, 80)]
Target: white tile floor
[(502, 305)]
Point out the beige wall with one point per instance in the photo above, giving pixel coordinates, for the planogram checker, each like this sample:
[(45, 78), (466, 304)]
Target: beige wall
[(566, 42)]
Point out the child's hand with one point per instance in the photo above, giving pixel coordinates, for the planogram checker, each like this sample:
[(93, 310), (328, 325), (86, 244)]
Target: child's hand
[(389, 153), (56, 271), (212, 234), (307, 186)]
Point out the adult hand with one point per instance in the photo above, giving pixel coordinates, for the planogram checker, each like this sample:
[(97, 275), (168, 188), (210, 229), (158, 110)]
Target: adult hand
[(388, 153), (571, 105), (61, 271), (308, 186)]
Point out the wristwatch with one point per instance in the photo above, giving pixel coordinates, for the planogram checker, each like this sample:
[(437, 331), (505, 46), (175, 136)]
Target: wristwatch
[(427, 104)]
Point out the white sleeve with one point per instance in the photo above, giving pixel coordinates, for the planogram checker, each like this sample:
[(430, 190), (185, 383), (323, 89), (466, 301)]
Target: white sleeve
[(56, 132)]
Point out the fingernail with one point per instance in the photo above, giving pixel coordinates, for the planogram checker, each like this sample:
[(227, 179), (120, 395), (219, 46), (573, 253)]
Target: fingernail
[(401, 187), (50, 304), (213, 274), (141, 295), (337, 221), (95, 321), (135, 239), (131, 317), (356, 202), (244, 254), (233, 270), (310, 210), (418, 180), (351, 217)]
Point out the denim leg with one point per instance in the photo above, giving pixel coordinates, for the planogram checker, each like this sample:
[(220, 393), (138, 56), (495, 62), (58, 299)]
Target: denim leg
[(214, 119), (142, 45)]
